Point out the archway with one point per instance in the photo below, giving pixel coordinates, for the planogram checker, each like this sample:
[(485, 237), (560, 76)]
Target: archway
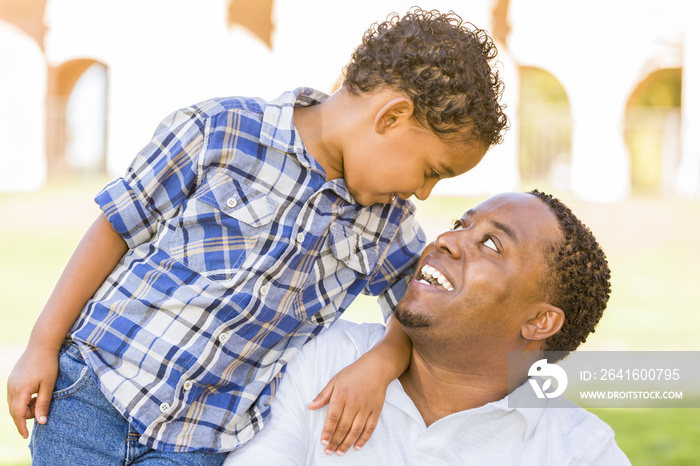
[(22, 85), (77, 118), (544, 152), (653, 131)]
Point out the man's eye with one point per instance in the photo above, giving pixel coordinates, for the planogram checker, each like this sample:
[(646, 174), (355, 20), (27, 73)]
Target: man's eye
[(488, 242), (456, 224), (434, 174)]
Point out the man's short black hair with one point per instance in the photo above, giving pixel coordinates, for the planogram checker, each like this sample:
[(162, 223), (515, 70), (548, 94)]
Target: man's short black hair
[(578, 280), (443, 65)]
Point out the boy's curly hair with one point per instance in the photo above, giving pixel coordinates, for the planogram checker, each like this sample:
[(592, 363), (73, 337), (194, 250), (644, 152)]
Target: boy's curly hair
[(578, 280), (442, 64)]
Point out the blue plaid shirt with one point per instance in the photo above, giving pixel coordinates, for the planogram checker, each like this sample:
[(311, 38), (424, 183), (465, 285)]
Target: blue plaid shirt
[(240, 252)]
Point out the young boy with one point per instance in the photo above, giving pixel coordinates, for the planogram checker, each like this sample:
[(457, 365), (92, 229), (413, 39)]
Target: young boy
[(242, 231)]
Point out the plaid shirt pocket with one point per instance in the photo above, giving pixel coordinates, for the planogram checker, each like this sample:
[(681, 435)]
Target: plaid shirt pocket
[(221, 225), (352, 249)]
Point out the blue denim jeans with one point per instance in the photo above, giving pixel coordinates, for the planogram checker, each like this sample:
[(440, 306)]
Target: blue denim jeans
[(83, 427)]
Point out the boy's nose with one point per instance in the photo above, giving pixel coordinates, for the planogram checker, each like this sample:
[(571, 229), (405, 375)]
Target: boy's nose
[(424, 191)]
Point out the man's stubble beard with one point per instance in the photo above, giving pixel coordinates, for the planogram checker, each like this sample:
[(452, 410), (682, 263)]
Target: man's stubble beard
[(410, 319)]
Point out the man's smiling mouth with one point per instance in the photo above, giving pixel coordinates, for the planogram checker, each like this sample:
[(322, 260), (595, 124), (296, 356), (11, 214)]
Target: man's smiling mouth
[(432, 276)]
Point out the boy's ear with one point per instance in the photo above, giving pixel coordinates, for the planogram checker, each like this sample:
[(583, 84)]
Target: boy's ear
[(546, 322), (395, 111)]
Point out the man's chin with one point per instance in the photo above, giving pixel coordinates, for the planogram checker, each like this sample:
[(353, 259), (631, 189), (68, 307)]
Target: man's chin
[(410, 319)]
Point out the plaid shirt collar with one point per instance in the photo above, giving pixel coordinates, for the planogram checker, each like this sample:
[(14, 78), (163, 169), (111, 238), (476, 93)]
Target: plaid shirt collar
[(279, 114), (279, 132)]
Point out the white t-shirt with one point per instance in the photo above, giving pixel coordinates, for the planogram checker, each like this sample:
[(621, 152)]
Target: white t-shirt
[(493, 434)]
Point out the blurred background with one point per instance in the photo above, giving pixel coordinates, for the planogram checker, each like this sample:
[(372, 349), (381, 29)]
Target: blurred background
[(603, 98)]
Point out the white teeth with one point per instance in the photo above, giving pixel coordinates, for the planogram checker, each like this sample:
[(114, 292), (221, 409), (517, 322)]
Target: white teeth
[(432, 276)]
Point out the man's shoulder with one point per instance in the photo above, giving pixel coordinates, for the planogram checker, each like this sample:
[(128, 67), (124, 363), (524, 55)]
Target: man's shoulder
[(582, 433), (339, 346), (342, 344), (570, 417), (348, 338)]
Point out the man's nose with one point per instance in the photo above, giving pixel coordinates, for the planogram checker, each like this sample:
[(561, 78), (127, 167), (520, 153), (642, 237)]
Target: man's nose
[(449, 242)]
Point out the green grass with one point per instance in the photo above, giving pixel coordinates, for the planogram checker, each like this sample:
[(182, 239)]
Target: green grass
[(651, 245), (656, 437)]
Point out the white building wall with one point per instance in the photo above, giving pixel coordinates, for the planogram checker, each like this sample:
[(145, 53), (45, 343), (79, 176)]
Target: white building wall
[(22, 111), (599, 50), (688, 177), (165, 54)]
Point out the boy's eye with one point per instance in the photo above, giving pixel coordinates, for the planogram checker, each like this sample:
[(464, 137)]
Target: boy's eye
[(488, 242), (434, 174)]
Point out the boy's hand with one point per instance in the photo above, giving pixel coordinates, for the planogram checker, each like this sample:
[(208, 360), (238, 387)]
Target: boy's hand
[(34, 373), (355, 397)]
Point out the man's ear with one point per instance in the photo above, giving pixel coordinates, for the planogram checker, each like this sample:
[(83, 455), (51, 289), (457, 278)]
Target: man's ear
[(547, 321), (395, 111)]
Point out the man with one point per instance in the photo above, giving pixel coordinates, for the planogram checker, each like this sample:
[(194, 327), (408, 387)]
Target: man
[(517, 273)]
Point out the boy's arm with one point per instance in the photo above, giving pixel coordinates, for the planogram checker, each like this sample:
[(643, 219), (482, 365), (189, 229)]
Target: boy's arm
[(35, 372), (356, 394)]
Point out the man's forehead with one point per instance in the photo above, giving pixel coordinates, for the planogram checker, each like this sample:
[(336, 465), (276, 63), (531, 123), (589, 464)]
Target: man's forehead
[(505, 202), (516, 214)]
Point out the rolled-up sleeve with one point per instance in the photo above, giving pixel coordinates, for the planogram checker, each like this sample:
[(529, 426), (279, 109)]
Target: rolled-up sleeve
[(158, 180)]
